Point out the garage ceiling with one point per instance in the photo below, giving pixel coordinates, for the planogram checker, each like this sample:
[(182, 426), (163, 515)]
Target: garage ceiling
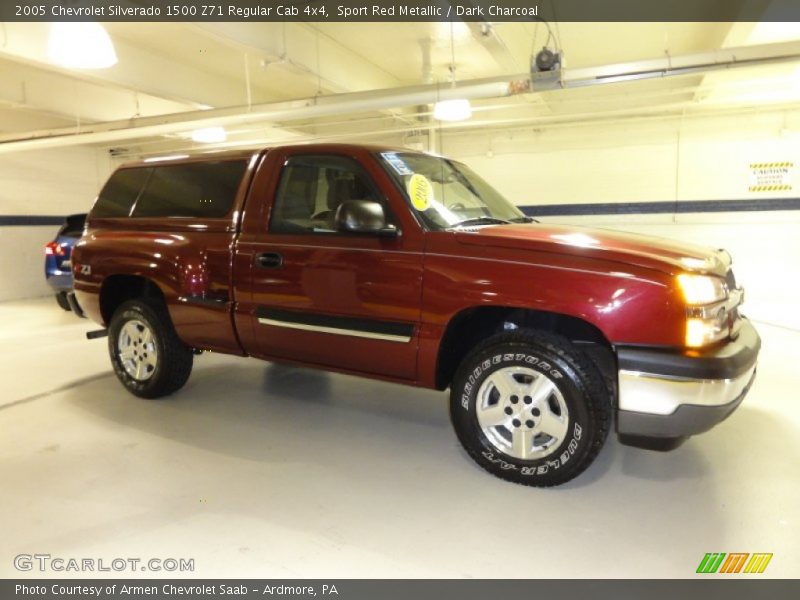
[(168, 68)]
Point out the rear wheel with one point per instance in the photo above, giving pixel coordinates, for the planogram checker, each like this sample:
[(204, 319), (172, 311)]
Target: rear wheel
[(146, 353), (529, 407), (61, 298)]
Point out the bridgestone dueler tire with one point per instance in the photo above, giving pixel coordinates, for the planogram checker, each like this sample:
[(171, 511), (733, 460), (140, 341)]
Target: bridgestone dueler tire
[(174, 357), (577, 379)]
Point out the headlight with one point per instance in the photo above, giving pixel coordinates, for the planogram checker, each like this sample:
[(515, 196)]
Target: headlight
[(706, 322), (702, 289)]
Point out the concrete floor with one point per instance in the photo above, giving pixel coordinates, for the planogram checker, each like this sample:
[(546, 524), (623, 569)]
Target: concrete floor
[(261, 470)]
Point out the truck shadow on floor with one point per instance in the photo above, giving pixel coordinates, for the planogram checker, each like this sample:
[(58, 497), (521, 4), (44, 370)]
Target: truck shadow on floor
[(297, 383), (290, 384), (246, 408)]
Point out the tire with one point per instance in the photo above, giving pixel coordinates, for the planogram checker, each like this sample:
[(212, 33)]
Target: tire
[(146, 353), (530, 408), (61, 298)]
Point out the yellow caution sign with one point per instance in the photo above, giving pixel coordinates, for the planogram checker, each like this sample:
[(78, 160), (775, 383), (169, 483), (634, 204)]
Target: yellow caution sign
[(772, 165), (770, 188), (776, 176)]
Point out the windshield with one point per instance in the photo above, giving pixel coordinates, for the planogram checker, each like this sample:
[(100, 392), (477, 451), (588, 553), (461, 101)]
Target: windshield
[(448, 194)]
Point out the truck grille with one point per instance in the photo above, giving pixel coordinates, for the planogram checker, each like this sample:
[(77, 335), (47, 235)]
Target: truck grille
[(734, 320)]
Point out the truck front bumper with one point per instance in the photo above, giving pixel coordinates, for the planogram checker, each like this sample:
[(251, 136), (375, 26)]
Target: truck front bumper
[(670, 395)]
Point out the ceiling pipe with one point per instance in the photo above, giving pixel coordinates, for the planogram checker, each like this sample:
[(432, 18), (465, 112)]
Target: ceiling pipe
[(676, 112), (671, 66), (308, 108), (375, 100)]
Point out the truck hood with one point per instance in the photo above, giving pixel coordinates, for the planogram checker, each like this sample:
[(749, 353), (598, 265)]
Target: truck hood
[(629, 248)]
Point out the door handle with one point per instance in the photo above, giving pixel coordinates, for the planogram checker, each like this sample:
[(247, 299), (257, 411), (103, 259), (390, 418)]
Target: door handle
[(269, 260)]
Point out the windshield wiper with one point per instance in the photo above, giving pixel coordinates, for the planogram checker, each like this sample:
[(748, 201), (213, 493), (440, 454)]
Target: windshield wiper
[(524, 220), (480, 220)]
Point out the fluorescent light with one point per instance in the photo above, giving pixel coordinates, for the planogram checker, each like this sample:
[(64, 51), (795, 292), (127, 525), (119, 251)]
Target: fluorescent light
[(452, 110), (80, 46), (768, 32), (209, 135), (780, 83)]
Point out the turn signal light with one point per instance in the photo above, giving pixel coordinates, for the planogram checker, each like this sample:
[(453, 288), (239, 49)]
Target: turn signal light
[(701, 332)]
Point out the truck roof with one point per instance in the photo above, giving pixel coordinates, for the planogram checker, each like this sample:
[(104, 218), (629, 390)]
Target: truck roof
[(177, 159)]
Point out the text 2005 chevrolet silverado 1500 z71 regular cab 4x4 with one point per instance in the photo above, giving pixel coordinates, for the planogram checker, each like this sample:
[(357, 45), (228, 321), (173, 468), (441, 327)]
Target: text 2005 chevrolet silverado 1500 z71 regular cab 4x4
[(408, 267)]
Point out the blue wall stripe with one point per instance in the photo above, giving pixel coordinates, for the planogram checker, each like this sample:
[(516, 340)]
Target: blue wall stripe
[(662, 207), (553, 210), (30, 220)]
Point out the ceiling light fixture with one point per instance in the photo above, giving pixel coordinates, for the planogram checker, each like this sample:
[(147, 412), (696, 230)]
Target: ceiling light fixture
[(452, 110), (80, 46), (457, 109), (210, 135)]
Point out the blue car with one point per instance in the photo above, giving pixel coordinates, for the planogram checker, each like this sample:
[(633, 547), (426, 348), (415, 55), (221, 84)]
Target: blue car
[(57, 264)]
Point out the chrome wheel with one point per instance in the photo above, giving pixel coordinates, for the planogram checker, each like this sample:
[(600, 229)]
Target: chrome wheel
[(136, 349), (522, 413)]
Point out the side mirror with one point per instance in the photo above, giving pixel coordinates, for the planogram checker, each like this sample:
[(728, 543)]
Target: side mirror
[(363, 216)]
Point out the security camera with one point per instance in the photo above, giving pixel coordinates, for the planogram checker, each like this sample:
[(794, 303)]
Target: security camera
[(547, 60), (546, 69)]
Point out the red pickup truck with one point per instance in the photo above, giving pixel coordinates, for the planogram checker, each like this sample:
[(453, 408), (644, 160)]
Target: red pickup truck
[(408, 267)]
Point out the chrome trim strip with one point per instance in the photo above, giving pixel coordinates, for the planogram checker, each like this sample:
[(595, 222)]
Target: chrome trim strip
[(203, 301), (662, 395), (336, 331)]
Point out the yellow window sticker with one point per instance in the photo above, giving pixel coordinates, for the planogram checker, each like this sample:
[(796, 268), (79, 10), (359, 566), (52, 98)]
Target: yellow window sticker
[(420, 191)]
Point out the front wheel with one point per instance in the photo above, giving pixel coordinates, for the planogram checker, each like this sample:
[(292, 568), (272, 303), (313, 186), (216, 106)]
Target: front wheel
[(530, 408), (146, 353)]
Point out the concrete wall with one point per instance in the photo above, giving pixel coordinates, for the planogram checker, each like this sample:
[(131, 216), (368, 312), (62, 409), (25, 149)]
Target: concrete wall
[(53, 182), (695, 158), (676, 160)]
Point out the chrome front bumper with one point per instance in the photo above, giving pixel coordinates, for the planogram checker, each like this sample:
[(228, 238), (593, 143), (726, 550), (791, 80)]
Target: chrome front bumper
[(675, 395), (657, 395)]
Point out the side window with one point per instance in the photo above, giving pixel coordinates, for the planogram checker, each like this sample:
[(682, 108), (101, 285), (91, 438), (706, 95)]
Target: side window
[(312, 188), (203, 189), (120, 192)]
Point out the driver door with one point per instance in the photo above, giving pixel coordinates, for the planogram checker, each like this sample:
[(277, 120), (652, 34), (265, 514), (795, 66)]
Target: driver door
[(343, 300)]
